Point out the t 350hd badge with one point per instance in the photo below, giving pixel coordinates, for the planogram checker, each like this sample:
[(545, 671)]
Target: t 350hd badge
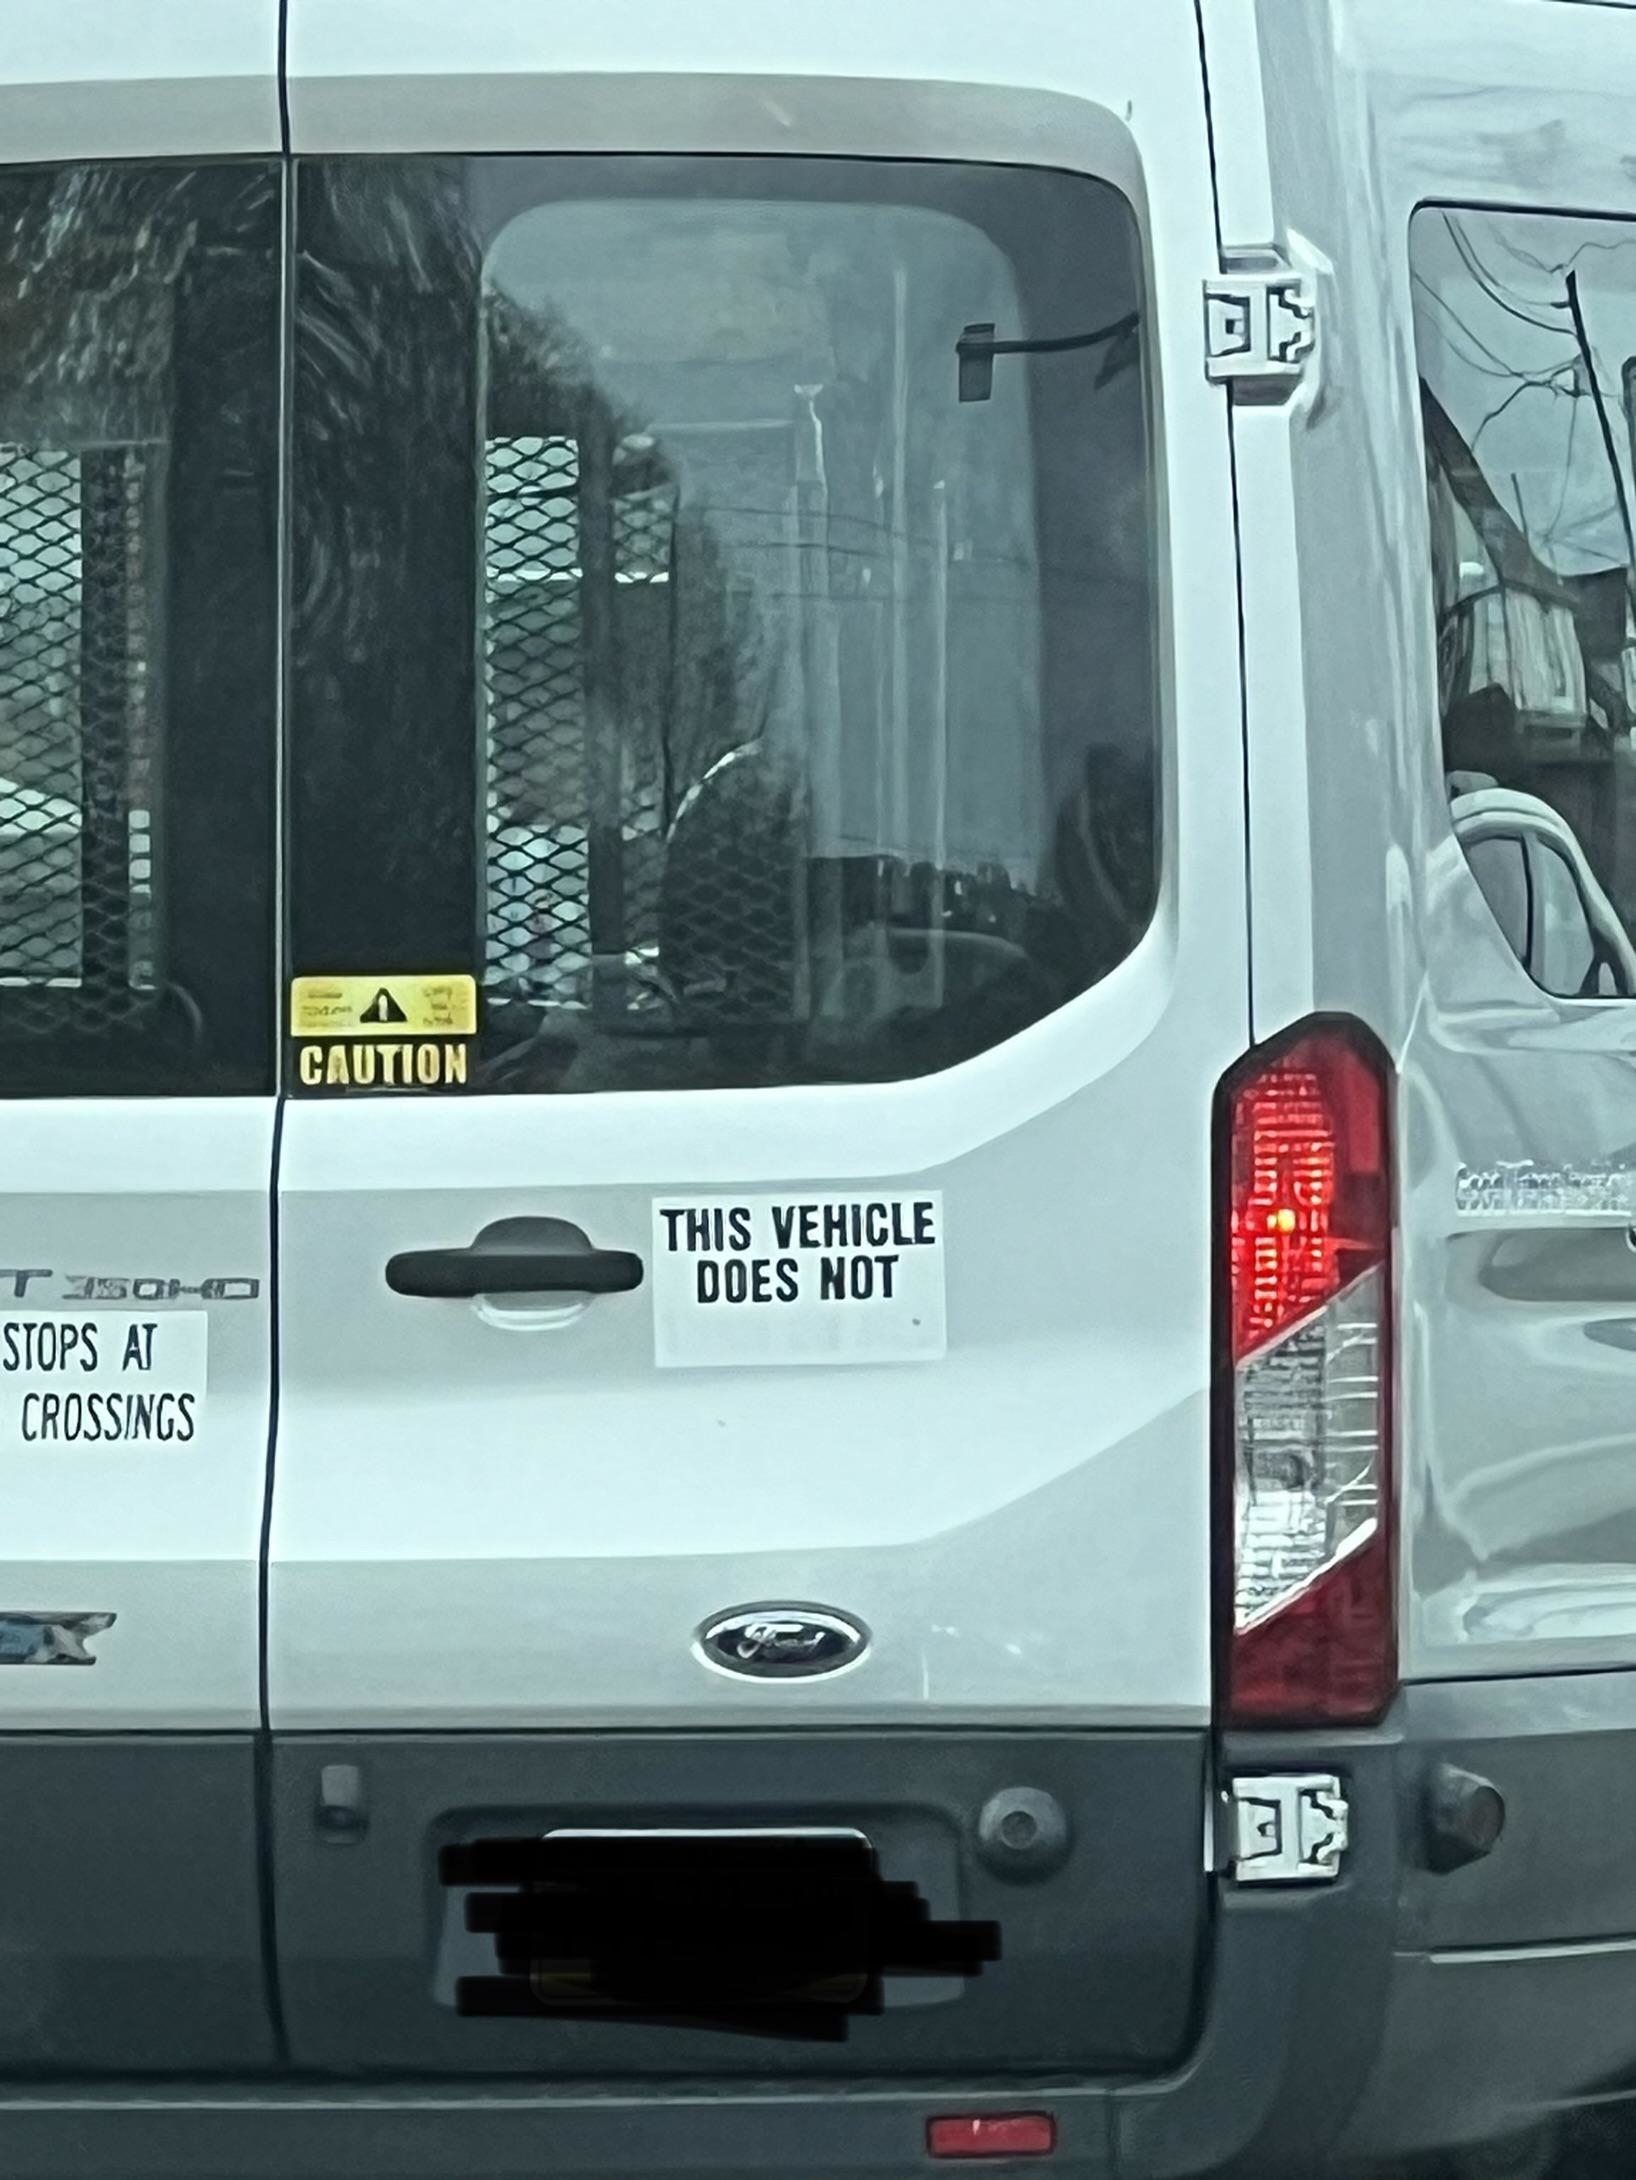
[(40, 1283), (781, 1642)]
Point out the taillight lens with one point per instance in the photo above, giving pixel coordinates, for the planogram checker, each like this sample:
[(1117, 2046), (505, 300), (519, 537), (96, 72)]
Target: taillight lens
[(1307, 1419)]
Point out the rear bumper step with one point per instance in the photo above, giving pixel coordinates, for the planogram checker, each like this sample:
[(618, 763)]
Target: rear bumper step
[(1287, 1991), (1399, 2006)]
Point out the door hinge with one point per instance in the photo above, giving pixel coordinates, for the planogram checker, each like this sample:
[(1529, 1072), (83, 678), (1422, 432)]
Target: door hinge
[(1288, 1828), (1260, 327)]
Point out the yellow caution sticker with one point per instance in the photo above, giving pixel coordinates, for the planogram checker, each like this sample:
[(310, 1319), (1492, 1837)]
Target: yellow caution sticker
[(383, 1006)]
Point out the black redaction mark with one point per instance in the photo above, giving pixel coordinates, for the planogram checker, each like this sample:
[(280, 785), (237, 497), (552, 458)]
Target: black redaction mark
[(772, 1936)]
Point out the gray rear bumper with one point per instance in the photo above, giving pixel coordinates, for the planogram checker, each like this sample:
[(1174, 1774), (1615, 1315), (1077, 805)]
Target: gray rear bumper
[(1397, 2009), (1511, 1990)]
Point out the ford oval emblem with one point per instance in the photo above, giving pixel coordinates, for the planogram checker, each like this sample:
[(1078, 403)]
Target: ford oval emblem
[(781, 1642)]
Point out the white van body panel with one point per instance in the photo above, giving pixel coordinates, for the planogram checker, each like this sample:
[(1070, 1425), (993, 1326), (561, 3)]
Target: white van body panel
[(165, 1536), (163, 1191), (1517, 1360), (490, 1527), (103, 80)]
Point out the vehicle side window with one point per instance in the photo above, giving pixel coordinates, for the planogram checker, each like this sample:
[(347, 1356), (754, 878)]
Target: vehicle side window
[(1500, 866), (139, 375), (759, 684), (1564, 950), (1525, 325)]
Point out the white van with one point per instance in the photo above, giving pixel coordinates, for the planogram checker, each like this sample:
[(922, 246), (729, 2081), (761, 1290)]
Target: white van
[(829, 1358)]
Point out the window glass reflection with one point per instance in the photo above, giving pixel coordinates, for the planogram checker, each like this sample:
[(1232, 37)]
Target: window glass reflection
[(1525, 331), (1501, 869), (1566, 947)]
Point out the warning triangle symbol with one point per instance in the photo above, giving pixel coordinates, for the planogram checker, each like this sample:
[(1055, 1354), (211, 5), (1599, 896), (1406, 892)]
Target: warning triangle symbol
[(383, 1008)]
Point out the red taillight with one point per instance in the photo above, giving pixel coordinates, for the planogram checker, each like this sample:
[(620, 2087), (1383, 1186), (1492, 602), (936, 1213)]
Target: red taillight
[(1306, 1421), (992, 2134)]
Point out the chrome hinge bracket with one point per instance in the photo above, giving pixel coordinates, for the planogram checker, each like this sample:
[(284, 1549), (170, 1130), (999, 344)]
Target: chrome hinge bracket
[(1260, 327), (1288, 1828)]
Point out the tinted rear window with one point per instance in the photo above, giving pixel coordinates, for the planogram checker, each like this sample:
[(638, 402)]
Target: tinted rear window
[(139, 385), (711, 632)]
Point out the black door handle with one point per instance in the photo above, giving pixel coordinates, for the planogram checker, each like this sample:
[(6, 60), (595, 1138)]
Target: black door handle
[(447, 1275)]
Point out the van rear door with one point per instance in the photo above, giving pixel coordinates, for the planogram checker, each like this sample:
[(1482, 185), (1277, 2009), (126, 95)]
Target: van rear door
[(140, 235), (766, 907)]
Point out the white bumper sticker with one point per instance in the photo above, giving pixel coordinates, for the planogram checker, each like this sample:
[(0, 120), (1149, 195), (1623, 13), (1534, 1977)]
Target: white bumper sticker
[(101, 1379), (797, 1279)]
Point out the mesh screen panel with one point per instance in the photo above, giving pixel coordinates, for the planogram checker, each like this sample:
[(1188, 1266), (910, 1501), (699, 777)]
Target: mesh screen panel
[(638, 857), (535, 774), (575, 798), (75, 843)]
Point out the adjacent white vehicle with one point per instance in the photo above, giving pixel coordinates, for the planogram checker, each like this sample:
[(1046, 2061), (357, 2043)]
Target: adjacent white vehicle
[(818, 1329), (1536, 878)]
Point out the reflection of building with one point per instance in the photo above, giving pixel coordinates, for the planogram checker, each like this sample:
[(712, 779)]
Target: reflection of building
[(1537, 671), (761, 714)]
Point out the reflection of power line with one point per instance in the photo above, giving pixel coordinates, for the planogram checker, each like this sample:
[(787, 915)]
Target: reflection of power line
[(1567, 476), (1547, 384), (1490, 286), (1505, 369), (882, 533), (1593, 519), (1611, 448), (1564, 266)]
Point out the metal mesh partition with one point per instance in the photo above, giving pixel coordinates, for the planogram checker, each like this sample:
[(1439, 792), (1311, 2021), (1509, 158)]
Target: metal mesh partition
[(575, 794), (75, 754), (535, 781), (640, 857)]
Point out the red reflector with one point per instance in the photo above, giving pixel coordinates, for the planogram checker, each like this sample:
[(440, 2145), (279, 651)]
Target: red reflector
[(993, 2134)]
